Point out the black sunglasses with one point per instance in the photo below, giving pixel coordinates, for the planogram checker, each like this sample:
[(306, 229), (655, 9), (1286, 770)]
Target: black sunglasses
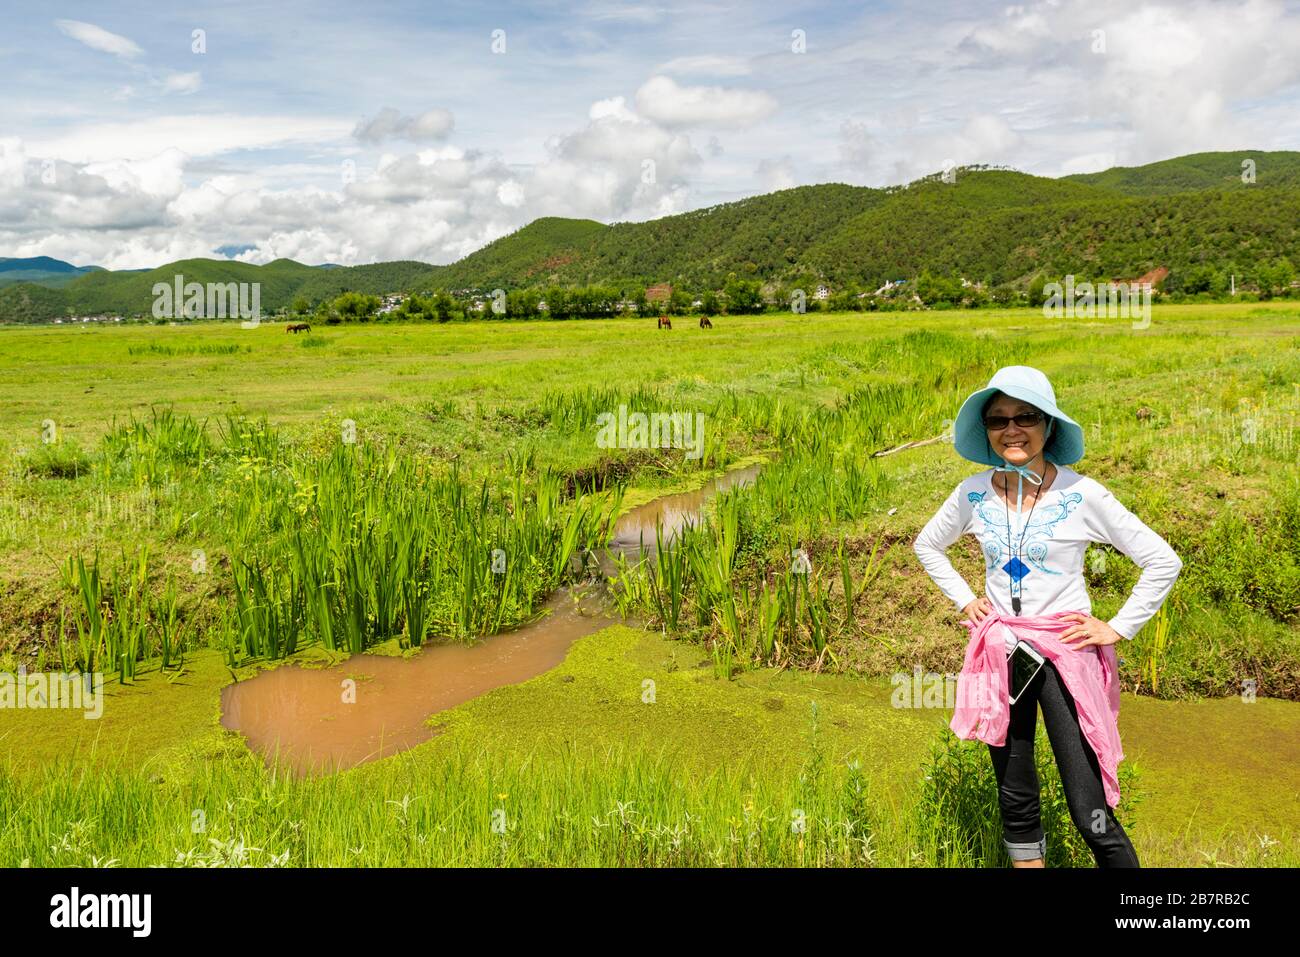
[(1026, 420)]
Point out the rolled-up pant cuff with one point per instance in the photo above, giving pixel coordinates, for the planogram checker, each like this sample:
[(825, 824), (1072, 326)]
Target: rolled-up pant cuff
[(1028, 850)]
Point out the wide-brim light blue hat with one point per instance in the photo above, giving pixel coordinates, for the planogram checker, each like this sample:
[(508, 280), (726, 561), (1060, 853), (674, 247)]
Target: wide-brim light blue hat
[(1064, 444)]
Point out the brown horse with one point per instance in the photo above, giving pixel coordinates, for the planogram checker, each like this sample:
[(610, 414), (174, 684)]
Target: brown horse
[(665, 322), (704, 323), (297, 327)]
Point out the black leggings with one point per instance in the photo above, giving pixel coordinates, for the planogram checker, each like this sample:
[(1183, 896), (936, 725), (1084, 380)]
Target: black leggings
[(1013, 763)]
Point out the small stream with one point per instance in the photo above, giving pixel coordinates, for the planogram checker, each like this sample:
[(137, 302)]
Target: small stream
[(314, 720)]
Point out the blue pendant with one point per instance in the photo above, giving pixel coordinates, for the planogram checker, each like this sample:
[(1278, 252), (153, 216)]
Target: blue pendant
[(1016, 569)]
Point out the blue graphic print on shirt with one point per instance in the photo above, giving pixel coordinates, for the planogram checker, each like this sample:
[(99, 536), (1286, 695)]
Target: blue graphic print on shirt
[(996, 539)]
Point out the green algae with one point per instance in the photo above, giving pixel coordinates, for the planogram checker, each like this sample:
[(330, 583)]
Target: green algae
[(1211, 770)]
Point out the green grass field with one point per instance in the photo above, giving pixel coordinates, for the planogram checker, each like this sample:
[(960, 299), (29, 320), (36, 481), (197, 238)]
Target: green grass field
[(207, 473)]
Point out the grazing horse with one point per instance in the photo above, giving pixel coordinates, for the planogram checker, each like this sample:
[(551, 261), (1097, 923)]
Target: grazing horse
[(665, 322), (704, 323), (297, 327)]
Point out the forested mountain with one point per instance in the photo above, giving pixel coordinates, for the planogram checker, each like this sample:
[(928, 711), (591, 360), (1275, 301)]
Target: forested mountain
[(762, 237), (537, 254), (41, 269), (131, 293), (1107, 237), (375, 279), (1193, 215), (757, 238), (1200, 171)]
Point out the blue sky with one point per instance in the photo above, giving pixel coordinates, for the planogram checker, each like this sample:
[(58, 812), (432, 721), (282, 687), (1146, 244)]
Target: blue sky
[(362, 132)]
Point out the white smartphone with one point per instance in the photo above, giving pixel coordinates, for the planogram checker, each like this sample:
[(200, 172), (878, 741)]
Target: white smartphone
[(1026, 662)]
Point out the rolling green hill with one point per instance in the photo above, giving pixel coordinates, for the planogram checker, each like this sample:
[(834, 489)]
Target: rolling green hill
[(536, 254), (42, 270), (1102, 236), (131, 293), (375, 279), (759, 237), (1192, 214), (1197, 171), (30, 302)]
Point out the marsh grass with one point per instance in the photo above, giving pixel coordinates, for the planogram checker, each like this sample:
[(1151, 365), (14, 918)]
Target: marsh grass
[(600, 807), (198, 349), (59, 460), (350, 548)]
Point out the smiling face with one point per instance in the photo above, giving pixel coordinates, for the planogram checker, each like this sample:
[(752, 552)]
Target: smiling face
[(1016, 444)]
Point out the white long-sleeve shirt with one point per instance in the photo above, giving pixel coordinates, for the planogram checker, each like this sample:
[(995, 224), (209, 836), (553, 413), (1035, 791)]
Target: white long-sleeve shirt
[(1073, 512)]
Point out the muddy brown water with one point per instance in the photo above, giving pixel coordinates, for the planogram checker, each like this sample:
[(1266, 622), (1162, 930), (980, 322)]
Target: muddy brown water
[(319, 720)]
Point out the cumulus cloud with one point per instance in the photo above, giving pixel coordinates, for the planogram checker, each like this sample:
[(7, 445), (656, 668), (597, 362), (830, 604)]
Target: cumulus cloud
[(182, 82), (511, 193), (621, 165), (208, 134), (435, 204), (97, 38), (664, 101), (389, 124), (774, 174), (1165, 79), (857, 146)]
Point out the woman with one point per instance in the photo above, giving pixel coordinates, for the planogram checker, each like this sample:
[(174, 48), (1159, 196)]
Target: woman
[(1033, 540)]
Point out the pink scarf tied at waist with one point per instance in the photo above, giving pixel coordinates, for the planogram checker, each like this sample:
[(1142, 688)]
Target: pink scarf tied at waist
[(1090, 674)]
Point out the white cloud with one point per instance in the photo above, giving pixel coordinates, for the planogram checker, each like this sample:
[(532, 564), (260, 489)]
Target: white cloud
[(1159, 79), (196, 134), (435, 204), (774, 174), (182, 82), (1175, 74), (510, 193), (662, 100), (434, 124), (97, 38), (615, 107)]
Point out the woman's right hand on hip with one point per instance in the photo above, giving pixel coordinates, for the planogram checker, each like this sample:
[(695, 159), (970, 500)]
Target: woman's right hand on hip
[(977, 609)]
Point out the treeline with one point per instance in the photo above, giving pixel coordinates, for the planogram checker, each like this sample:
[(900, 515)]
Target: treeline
[(550, 302)]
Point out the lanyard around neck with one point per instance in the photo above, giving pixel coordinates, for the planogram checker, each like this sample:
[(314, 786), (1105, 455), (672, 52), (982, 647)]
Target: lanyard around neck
[(1015, 572)]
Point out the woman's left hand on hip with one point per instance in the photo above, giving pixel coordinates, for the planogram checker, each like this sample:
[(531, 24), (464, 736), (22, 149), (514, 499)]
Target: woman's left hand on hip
[(1088, 631)]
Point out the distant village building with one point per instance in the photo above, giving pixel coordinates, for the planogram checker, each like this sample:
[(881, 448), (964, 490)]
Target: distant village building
[(822, 293), (84, 319), (659, 293), (391, 303), (890, 284)]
